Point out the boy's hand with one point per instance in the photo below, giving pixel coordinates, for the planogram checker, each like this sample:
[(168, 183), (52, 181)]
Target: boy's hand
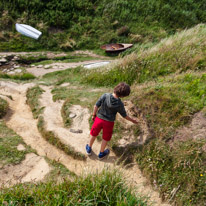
[(93, 117), (131, 120), (135, 121)]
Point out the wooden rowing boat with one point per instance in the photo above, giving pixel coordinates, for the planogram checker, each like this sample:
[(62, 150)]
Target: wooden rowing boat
[(115, 47)]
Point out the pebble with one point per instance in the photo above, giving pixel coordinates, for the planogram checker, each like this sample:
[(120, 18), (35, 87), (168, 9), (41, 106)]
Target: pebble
[(39, 66), (72, 115), (32, 65), (21, 147), (3, 60), (76, 130), (47, 66), (18, 70), (16, 66), (11, 72)]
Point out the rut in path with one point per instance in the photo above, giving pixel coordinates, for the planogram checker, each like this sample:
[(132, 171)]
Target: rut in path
[(20, 119)]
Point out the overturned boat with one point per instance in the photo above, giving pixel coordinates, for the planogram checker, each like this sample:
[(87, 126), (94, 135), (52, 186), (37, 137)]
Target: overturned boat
[(28, 31), (115, 47)]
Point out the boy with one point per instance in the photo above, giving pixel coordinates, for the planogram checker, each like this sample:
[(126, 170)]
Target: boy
[(107, 106)]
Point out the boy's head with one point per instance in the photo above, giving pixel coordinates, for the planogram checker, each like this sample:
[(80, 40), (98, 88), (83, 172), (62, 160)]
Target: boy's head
[(122, 89)]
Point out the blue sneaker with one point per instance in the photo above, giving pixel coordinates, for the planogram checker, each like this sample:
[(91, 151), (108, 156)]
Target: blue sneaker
[(102, 155), (88, 149)]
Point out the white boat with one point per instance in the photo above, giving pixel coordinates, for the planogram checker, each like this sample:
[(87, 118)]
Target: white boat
[(29, 31)]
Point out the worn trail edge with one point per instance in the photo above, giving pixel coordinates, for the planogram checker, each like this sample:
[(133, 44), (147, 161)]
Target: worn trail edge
[(20, 119)]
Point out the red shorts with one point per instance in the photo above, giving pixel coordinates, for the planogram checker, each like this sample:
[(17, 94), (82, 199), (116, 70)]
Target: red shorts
[(107, 127)]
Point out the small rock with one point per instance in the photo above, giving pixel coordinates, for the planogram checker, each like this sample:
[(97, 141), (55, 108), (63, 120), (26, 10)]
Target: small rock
[(76, 130), (32, 65), (16, 66), (21, 147), (72, 115), (11, 72), (11, 69), (3, 60), (18, 70), (47, 66), (65, 84), (39, 66)]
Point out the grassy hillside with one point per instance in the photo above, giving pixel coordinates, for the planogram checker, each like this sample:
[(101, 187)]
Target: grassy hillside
[(168, 86), (72, 24), (182, 52)]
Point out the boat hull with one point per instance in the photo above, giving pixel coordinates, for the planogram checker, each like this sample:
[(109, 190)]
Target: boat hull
[(28, 31), (115, 48)]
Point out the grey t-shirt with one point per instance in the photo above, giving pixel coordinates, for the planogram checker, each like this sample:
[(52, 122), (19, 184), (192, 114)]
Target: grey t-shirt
[(109, 106)]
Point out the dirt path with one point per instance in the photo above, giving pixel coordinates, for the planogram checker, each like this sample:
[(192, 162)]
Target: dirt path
[(20, 119), (58, 67)]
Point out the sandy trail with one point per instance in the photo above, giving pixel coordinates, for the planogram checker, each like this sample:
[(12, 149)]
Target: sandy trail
[(58, 67), (54, 123), (20, 119), (33, 168)]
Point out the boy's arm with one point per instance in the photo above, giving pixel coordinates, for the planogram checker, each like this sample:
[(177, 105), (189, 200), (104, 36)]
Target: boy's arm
[(131, 120), (94, 112)]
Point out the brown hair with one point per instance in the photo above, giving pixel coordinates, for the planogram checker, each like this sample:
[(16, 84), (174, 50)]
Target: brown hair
[(122, 89)]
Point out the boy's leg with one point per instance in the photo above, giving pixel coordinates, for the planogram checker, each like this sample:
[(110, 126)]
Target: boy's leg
[(92, 139), (103, 145)]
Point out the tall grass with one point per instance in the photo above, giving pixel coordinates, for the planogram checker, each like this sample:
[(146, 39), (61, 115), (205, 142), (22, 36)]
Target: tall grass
[(106, 188), (185, 51), (178, 171)]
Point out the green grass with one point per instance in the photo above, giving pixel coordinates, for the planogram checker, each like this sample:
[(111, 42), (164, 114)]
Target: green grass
[(82, 95), (69, 75), (9, 141), (23, 77), (106, 188), (179, 166), (33, 95), (64, 59), (4, 106), (59, 172), (65, 113), (89, 24), (54, 140), (171, 102)]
